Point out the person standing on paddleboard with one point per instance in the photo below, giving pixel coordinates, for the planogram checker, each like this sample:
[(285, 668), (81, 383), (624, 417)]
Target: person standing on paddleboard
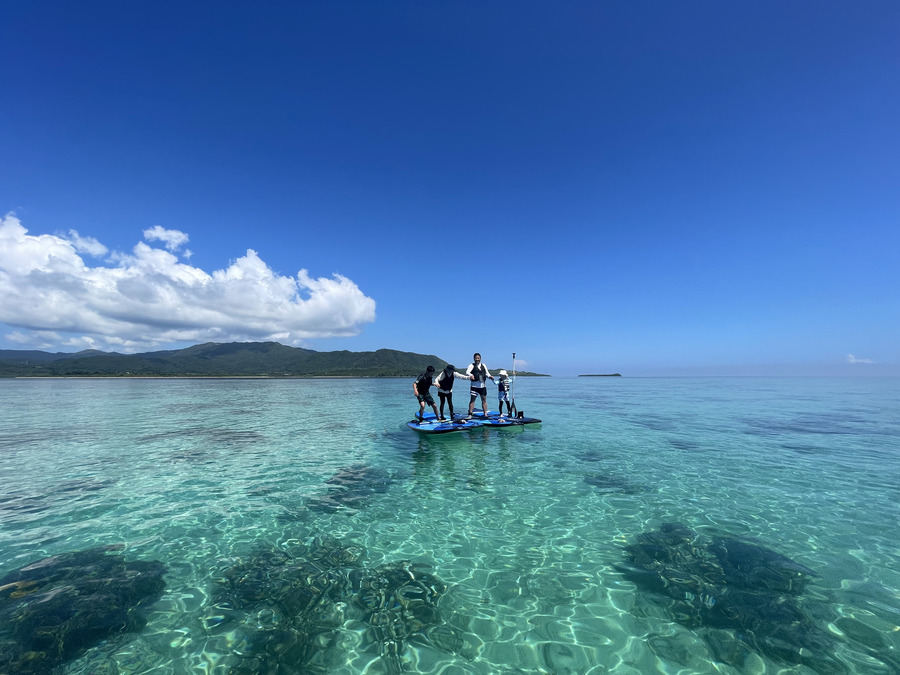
[(480, 376), (503, 392), (420, 387), (445, 387)]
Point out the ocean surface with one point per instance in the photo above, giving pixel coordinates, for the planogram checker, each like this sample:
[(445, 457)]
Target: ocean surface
[(671, 525)]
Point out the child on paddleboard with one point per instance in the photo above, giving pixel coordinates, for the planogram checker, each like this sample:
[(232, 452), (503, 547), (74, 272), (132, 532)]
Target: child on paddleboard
[(503, 384)]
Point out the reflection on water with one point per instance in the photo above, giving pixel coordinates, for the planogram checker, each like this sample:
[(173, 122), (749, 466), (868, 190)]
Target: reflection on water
[(693, 525)]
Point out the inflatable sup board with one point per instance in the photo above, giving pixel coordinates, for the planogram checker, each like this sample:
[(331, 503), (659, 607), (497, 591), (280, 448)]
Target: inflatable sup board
[(489, 420), (431, 425), (497, 419)]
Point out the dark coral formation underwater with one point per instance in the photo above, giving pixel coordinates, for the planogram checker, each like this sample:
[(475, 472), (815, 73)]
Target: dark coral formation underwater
[(740, 596), (609, 484), (351, 488), (306, 593), (54, 609)]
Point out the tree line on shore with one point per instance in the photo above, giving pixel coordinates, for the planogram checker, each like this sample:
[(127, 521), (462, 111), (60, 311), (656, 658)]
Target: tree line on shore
[(234, 359)]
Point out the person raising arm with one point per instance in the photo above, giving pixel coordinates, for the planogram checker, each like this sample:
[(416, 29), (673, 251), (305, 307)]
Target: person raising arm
[(445, 387)]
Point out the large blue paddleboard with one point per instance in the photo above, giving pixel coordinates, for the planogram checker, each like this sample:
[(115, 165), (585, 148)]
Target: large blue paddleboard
[(430, 425), (494, 418)]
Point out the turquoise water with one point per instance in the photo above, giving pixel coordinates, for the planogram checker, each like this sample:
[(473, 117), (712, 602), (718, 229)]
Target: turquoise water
[(525, 536)]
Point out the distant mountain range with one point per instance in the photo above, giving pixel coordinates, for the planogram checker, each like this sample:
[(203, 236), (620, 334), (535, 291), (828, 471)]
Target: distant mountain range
[(234, 359)]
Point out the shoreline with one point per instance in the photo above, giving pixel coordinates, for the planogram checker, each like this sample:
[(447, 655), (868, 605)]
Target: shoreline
[(207, 377), (219, 377)]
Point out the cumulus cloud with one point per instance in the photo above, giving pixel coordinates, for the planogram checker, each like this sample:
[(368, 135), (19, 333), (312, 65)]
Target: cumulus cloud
[(172, 239), (87, 245), (853, 359), (148, 297)]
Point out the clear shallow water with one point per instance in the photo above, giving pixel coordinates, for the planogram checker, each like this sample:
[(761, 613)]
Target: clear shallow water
[(526, 530)]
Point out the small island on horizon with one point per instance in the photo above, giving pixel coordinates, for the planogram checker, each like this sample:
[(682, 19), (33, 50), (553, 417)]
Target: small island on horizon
[(603, 375)]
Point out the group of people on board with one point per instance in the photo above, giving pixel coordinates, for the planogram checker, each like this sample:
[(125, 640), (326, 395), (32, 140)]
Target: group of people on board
[(477, 373)]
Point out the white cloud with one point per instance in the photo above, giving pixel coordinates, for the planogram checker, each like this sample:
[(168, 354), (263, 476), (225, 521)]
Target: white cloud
[(87, 245), (149, 298), (853, 359), (173, 239)]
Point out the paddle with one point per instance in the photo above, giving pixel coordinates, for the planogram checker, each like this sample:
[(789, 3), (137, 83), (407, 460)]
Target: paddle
[(512, 410)]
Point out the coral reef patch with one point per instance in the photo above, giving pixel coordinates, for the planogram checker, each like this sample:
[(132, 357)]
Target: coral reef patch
[(740, 596), (728, 584), (609, 484), (54, 609), (351, 488), (292, 603)]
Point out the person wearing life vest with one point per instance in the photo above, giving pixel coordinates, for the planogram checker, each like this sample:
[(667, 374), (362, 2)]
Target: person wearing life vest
[(444, 384), (503, 385), (479, 376), (420, 388)]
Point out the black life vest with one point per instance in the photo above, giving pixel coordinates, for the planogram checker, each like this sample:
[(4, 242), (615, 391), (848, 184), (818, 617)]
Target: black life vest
[(423, 383), (479, 373), (445, 381)]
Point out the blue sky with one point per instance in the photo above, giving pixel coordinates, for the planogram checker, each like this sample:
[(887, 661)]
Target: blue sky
[(648, 188)]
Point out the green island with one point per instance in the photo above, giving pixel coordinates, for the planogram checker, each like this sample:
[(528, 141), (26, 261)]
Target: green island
[(211, 359), (603, 375)]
